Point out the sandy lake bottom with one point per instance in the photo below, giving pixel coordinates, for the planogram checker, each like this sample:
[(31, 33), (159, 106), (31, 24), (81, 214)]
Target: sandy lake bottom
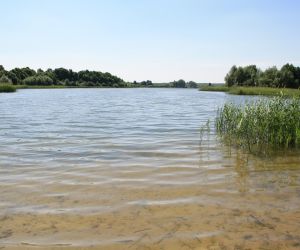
[(128, 169)]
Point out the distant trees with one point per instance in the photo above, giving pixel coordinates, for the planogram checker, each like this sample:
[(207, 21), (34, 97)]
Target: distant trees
[(19, 74), (4, 79), (175, 84), (191, 84), (39, 80), (183, 84), (83, 78), (288, 76), (243, 76), (179, 84), (146, 83), (269, 78), (60, 76)]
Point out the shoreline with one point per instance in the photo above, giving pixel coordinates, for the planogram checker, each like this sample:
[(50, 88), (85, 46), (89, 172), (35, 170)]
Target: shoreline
[(265, 91)]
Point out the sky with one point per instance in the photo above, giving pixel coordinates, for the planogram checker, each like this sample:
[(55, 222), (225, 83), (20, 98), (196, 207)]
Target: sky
[(158, 40)]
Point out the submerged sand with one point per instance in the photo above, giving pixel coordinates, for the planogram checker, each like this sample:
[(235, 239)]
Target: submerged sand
[(238, 203)]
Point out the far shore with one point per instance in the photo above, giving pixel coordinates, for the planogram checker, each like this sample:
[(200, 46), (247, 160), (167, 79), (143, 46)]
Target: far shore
[(155, 85)]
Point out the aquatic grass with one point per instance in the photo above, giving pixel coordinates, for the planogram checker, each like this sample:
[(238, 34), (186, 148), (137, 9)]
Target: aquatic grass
[(7, 88), (265, 91), (217, 88), (262, 125), (204, 130)]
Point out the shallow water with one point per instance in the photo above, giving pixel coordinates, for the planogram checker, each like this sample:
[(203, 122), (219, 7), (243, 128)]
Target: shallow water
[(129, 169)]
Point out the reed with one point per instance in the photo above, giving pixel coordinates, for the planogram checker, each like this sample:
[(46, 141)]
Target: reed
[(261, 125), (217, 88), (266, 91), (6, 88)]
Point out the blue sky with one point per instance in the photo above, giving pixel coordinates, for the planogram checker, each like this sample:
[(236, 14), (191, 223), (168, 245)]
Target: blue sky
[(160, 40)]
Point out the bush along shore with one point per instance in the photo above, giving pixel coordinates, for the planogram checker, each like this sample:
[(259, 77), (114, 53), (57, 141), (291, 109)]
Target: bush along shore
[(261, 126)]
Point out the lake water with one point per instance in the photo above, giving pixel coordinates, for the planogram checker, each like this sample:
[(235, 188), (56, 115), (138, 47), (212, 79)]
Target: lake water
[(129, 169)]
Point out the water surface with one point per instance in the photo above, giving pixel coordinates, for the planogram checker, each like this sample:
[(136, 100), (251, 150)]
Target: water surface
[(129, 169)]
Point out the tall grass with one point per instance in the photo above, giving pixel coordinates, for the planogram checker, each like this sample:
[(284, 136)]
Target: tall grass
[(7, 88), (266, 91), (218, 88), (261, 125)]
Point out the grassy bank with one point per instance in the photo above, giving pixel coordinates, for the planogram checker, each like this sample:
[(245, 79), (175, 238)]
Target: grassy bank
[(262, 125), (266, 91), (7, 88), (217, 88)]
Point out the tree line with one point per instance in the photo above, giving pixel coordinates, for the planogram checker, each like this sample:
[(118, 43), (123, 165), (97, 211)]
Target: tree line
[(59, 76), (288, 76), (70, 78), (174, 84)]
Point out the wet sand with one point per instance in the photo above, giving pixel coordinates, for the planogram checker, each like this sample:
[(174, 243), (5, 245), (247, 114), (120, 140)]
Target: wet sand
[(236, 204)]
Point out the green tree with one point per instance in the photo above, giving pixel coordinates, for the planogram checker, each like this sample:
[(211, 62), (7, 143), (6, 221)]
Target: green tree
[(230, 78), (61, 74), (287, 76), (40, 72), (191, 84), (269, 77), (250, 75), (41, 80), (13, 77), (5, 80), (19, 74), (179, 84)]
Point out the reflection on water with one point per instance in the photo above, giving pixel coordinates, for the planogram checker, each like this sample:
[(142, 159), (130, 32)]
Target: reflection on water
[(125, 169)]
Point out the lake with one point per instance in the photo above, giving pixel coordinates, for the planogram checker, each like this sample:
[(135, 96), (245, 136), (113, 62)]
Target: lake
[(130, 169)]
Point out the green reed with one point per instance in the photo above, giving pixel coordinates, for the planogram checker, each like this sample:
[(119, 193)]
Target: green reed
[(239, 90), (217, 88), (261, 125), (7, 88)]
